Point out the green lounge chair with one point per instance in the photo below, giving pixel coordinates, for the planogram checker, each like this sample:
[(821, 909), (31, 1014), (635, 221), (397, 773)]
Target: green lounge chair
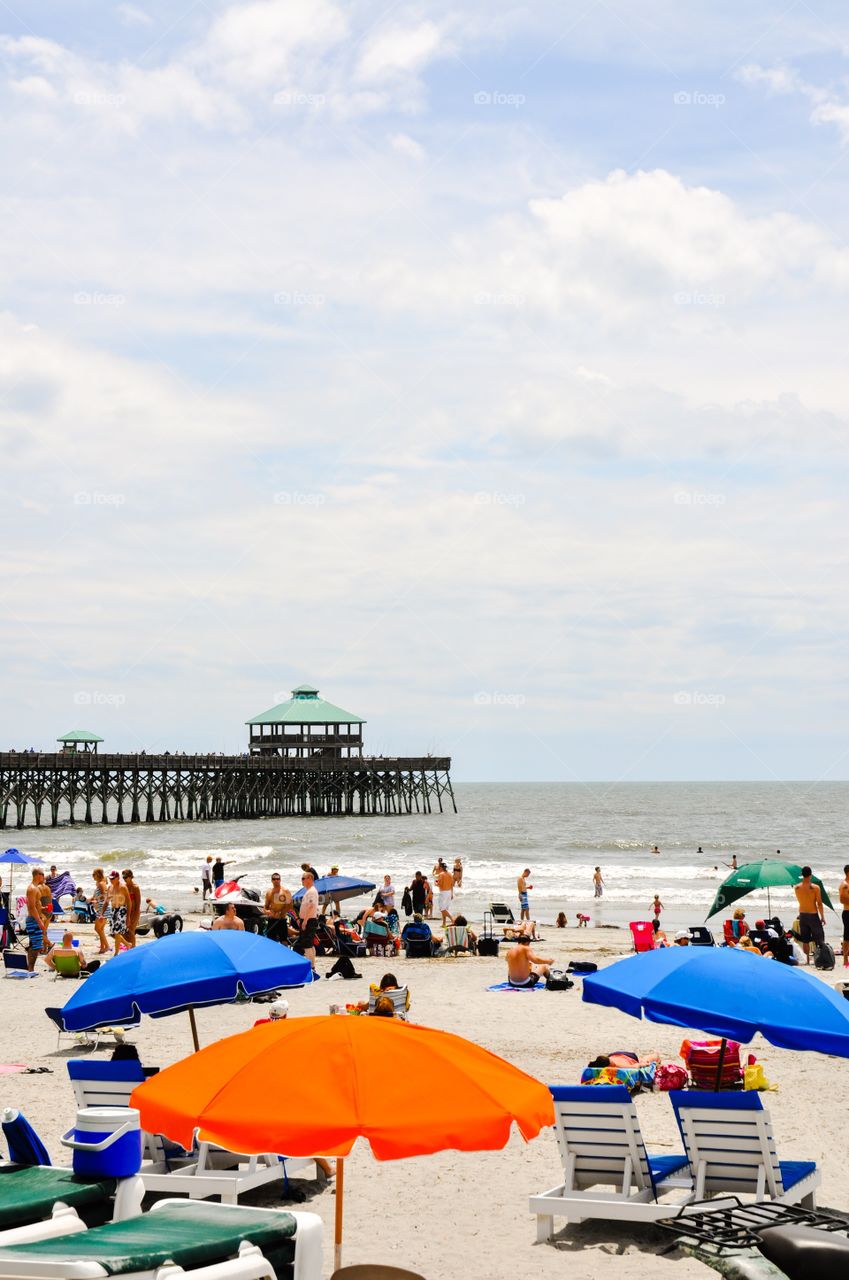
[(205, 1241), (37, 1203)]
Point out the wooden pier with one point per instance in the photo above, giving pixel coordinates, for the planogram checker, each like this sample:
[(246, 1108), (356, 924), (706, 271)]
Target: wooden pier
[(58, 787)]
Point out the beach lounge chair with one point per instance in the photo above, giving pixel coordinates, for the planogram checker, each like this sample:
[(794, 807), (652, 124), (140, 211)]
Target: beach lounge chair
[(600, 1143), (701, 936), (199, 1241), (642, 934), (731, 1148), (206, 1171), (501, 913), (38, 1202), (92, 1038)]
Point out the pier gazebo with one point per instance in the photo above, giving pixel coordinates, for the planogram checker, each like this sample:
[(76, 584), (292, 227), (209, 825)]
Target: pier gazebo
[(79, 741), (306, 726)]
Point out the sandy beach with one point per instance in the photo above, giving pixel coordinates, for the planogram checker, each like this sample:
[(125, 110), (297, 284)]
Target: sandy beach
[(454, 1213)]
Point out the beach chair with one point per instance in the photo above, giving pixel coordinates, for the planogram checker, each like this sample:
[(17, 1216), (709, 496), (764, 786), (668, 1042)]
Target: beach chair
[(642, 934), (457, 940), (701, 936), (90, 1038), (195, 1241), (15, 965), (400, 997), (206, 1171), (731, 1149), (39, 1202), (702, 1059), (501, 913), (600, 1144), (67, 967)]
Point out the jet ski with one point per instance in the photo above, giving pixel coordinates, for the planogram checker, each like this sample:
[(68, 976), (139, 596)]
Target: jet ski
[(248, 907)]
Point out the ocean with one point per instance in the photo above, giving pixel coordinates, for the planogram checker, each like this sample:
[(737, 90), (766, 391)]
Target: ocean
[(560, 830)]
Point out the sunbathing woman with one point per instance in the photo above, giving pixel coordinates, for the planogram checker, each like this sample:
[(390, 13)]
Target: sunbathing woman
[(624, 1058)]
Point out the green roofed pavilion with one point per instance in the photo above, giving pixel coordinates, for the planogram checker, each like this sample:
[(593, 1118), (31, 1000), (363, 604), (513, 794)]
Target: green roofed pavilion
[(79, 740), (306, 725)]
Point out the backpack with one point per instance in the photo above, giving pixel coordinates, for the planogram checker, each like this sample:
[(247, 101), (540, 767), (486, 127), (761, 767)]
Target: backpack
[(345, 966), (558, 980), (824, 957), (582, 966)]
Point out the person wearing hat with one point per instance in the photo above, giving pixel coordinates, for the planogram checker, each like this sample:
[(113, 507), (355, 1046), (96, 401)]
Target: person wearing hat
[(276, 1011), (682, 939), (119, 901)]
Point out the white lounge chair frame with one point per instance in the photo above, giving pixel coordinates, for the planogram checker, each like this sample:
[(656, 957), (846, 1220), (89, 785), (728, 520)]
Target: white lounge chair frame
[(600, 1143), (212, 1171), (249, 1265), (733, 1150)]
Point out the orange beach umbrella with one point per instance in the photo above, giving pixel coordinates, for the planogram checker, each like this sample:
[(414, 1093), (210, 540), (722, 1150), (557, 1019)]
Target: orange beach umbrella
[(313, 1086)]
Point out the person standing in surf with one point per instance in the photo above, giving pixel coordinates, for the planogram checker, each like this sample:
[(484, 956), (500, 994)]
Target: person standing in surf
[(523, 887), (598, 883)]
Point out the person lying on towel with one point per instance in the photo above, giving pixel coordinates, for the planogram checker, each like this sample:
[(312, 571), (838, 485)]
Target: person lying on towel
[(524, 969)]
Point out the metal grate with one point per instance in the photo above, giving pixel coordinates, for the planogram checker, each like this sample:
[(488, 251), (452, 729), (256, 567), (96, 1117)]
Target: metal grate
[(718, 1231)]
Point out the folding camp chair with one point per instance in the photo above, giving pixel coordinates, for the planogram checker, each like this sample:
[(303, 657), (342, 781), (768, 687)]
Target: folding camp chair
[(701, 936), (501, 913), (400, 997), (642, 934), (457, 940), (15, 965)]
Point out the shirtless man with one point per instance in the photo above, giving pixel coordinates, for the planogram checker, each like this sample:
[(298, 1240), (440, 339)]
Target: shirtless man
[(67, 948), (229, 920), (308, 913), (278, 902), (523, 887), (37, 920), (811, 912), (134, 895), (844, 902), (445, 885), (524, 968), (119, 901)]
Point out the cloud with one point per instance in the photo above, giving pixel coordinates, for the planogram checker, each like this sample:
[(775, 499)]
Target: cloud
[(399, 50), (407, 146), (827, 107)]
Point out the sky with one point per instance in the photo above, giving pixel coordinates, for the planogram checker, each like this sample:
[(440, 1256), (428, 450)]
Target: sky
[(483, 365)]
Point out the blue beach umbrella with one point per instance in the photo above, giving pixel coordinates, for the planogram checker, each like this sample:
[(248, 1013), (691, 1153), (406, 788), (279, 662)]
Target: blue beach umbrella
[(338, 887), (24, 1144), (727, 993), (183, 971), (14, 858)]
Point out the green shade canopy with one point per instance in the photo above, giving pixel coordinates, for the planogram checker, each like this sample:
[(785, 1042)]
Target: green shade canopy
[(79, 735), (306, 707), (767, 874)]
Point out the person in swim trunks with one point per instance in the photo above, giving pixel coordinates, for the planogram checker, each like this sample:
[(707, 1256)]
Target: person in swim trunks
[(844, 902), (36, 921), (119, 900), (522, 887), (811, 912), (524, 969)]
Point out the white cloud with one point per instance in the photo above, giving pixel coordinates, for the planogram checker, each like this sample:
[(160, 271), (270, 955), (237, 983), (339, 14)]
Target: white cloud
[(133, 16), (407, 146), (827, 107), (399, 50)]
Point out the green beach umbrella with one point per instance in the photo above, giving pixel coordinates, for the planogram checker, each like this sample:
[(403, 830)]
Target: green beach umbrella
[(767, 874)]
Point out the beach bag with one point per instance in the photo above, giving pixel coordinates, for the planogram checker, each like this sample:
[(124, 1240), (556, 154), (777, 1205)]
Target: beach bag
[(754, 1078), (670, 1076), (558, 980), (582, 966), (824, 957), (344, 966)]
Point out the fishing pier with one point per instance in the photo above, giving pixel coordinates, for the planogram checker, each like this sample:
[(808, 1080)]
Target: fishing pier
[(304, 759)]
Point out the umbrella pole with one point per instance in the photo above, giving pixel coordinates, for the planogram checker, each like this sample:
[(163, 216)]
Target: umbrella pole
[(340, 1193), (718, 1085), (194, 1027)]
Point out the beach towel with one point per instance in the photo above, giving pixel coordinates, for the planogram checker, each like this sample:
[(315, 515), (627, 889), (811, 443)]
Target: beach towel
[(507, 986), (633, 1078)]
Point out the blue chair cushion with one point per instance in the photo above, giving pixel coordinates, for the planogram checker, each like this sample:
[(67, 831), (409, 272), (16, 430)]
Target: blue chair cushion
[(597, 1093), (793, 1171), (662, 1167)]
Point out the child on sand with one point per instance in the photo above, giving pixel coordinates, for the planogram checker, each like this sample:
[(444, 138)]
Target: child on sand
[(657, 906)]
